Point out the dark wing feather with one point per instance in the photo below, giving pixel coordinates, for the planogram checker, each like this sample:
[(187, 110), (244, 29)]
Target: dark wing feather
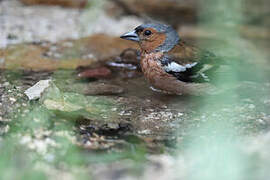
[(190, 64)]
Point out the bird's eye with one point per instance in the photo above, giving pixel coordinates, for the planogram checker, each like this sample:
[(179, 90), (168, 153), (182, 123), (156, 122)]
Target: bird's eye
[(147, 33)]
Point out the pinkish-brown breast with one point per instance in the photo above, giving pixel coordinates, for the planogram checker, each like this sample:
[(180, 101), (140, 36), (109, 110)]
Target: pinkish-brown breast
[(155, 74)]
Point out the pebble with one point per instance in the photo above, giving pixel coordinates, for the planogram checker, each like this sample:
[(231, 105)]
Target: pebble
[(146, 131), (13, 100), (35, 91)]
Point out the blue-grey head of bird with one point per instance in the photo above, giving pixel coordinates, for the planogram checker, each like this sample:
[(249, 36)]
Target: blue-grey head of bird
[(153, 37)]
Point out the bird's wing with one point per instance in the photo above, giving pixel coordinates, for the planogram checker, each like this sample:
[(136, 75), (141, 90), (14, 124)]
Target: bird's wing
[(189, 64)]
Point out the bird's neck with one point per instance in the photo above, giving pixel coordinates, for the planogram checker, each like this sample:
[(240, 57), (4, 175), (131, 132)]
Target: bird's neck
[(151, 55)]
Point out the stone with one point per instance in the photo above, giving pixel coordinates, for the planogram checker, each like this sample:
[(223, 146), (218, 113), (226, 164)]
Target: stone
[(101, 72), (35, 91), (76, 105)]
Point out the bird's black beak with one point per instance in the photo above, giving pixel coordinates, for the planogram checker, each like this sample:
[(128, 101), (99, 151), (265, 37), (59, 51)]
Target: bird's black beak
[(133, 36)]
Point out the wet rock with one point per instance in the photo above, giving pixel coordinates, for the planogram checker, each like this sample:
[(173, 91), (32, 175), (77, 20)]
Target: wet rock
[(101, 72), (31, 57), (74, 105), (68, 82), (61, 106), (103, 89), (65, 54), (64, 3)]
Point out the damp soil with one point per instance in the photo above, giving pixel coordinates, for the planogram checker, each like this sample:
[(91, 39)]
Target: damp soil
[(119, 117)]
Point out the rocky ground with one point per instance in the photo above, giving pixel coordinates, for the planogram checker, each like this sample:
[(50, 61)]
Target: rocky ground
[(21, 23), (95, 117)]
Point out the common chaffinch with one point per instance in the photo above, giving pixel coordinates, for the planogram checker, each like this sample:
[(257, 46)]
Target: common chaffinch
[(169, 64)]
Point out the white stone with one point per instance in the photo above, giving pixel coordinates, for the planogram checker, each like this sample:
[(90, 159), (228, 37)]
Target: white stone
[(35, 91)]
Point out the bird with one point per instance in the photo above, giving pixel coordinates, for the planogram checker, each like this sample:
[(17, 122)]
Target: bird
[(171, 65)]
